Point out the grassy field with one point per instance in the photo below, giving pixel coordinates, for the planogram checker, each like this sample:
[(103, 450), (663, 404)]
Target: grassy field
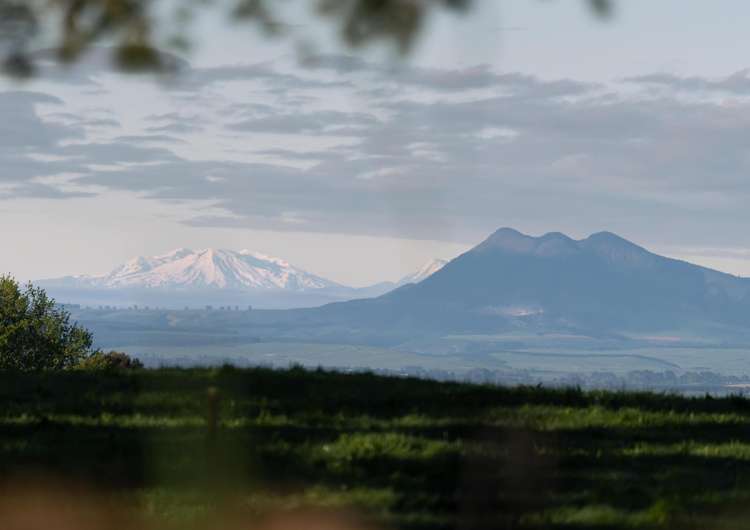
[(404, 453)]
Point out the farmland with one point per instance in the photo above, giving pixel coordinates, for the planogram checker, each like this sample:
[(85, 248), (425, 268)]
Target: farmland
[(176, 446)]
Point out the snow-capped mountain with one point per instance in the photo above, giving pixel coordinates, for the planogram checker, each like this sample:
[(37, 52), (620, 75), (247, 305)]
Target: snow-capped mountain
[(427, 270), (379, 289), (187, 278), (210, 268)]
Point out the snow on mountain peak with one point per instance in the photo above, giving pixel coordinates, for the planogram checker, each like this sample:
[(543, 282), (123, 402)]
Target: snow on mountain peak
[(211, 268), (427, 270), (265, 257)]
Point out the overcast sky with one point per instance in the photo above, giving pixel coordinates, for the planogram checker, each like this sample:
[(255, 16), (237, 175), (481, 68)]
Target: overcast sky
[(360, 167)]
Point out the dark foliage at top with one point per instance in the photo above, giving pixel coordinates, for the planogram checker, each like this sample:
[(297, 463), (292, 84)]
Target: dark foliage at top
[(138, 33)]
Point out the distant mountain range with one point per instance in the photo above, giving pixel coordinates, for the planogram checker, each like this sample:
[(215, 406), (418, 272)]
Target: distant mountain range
[(602, 286), (215, 276), (218, 269), (514, 303)]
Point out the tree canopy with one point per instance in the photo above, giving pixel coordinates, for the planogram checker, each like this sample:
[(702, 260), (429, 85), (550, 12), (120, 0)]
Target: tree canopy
[(110, 361), (36, 333), (139, 29)]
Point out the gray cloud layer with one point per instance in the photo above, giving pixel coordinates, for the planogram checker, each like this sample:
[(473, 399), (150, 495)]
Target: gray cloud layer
[(442, 154), (737, 83)]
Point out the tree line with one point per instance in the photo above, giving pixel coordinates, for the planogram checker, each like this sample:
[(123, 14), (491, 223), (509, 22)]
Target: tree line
[(37, 334)]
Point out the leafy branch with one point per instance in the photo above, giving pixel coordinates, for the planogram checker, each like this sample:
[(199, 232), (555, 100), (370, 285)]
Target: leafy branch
[(131, 27)]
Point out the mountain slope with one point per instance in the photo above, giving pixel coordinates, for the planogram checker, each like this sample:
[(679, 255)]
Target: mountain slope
[(427, 270), (599, 285), (424, 272)]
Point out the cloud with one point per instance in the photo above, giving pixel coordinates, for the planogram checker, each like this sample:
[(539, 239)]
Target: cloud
[(108, 153), (21, 128), (35, 147), (174, 123), (27, 144), (174, 128), (195, 79), (322, 122), (449, 80), (38, 190), (430, 153), (68, 118), (737, 83), (87, 70), (148, 139)]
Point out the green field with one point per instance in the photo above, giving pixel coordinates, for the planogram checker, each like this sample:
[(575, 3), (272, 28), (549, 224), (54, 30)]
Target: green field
[(405, 453)]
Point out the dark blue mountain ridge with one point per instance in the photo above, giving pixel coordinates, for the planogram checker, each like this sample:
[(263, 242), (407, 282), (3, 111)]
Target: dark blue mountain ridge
[(598, 285)]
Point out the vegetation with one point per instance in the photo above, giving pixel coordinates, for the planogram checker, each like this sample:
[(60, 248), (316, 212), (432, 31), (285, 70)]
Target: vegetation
[(140, 28), (406, 452), (112, 360), (35, 333)]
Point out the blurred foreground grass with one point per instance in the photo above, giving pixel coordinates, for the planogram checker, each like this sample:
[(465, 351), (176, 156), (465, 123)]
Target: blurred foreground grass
[(404, 453)]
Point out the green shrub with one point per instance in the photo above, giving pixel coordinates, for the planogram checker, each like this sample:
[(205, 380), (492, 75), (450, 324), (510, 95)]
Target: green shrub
[(113, 360), (35, 333)]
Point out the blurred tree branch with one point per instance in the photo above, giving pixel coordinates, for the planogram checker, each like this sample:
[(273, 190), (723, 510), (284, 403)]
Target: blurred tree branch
[(131, 26)]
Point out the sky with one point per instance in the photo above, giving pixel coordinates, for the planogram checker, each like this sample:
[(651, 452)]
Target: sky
[(361, 165)]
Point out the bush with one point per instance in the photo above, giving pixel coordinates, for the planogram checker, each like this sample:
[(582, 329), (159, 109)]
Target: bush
[(111, 361), (35, 333)]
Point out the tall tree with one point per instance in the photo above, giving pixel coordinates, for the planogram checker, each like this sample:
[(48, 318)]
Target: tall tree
[(35, 333)]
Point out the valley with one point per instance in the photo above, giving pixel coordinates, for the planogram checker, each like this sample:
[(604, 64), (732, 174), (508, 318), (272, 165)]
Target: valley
[(596, 312)]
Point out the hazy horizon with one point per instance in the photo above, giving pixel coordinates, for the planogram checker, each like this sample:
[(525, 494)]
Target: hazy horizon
[(696, 260)]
